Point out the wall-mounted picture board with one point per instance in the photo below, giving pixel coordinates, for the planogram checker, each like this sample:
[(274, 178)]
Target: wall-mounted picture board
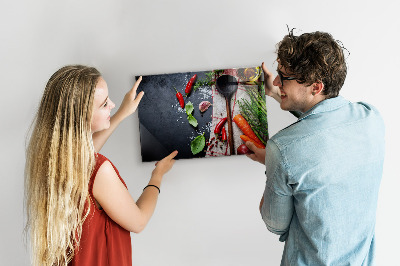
[(202, 114)]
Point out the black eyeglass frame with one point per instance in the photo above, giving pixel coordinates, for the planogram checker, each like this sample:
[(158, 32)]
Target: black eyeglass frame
[(282, 78)]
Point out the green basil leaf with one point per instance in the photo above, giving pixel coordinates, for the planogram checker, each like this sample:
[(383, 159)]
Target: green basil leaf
[(189, 108), (192, 120), (197, 145)]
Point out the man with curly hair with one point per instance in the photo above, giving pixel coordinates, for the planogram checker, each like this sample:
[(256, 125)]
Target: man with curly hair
[(323, 171)]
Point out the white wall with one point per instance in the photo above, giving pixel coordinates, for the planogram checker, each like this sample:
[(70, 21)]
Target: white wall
[(208, 208)]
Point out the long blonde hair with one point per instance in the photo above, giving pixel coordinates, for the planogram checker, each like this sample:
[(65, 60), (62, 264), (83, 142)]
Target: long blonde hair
[(59, 161)]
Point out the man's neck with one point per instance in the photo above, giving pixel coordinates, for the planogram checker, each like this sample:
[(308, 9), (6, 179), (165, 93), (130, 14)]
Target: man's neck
[(316, 100)]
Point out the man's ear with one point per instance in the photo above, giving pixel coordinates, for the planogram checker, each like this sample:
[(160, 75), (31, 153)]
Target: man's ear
[(317, 88)]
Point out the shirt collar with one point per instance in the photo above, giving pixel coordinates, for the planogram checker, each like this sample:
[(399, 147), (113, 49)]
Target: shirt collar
[(325, 106)]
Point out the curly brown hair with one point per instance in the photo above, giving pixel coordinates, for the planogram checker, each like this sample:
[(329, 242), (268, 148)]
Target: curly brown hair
[(314, 57)]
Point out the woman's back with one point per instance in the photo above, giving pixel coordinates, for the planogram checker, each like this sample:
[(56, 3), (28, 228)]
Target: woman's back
[(64, 218), (103, 242)]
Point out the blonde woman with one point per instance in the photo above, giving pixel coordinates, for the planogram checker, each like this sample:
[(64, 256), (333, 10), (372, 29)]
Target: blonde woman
[(79, 211)]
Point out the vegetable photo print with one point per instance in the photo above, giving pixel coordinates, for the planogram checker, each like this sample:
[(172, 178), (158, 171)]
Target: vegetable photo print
[(202, 114)]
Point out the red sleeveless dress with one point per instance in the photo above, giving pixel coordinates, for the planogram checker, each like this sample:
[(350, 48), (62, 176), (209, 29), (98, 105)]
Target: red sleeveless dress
[(103, 241)]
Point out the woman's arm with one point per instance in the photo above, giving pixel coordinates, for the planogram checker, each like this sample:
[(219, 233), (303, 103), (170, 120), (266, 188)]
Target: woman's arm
[(128, 107), (116, 201)]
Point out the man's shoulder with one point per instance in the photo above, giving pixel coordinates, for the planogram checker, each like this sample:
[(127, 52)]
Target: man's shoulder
[(368, 114), (367, 108), (317, 123), (288, 135)]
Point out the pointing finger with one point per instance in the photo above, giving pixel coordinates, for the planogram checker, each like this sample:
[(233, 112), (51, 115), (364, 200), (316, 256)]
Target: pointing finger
[(251, 146), (265, 69), (136, 85), (172, 155), (139, 97)]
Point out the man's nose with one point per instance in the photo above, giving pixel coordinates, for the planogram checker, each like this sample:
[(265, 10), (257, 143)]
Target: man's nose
[(277, 81)]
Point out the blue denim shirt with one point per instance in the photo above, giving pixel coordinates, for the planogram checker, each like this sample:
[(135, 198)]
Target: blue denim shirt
[(323, 175)]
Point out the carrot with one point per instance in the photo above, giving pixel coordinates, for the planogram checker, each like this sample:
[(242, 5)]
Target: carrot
[(246, 138), (245, 128)]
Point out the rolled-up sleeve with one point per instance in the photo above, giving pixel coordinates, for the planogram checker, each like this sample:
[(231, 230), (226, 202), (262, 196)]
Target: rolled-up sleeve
[(277, 208)]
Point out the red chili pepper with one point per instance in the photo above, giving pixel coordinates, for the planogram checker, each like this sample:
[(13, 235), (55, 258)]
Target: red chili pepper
[(189, 85), (219, 126), (223, 134), (179, 96)]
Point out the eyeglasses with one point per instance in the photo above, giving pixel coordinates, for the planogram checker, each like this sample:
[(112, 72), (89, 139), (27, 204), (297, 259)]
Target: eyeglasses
[(282, 78)]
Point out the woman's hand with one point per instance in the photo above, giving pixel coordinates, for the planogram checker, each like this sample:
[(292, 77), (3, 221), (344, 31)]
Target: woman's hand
[(270, 89), (128, 107), (163, 166), (131, 101)]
